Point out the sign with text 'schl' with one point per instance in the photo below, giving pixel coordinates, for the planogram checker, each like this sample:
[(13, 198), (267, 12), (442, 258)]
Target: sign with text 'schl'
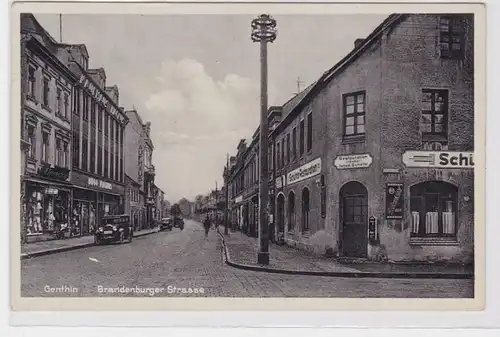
[(394, 201), (353, 161), (439, 159), (304, 172)]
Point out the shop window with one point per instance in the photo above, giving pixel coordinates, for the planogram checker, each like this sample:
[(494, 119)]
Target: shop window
[(46, 92), (309, 132), (99, 117), (66, 106), (291, 211), (283, 149), (106, 167), (433, 207), (92, 151), (85, 107), (305, 209), (99, 159), (301, 138), (32, 141), (92, 112), (294, 143), (434, 113), (45, 147), (451, 37), (354, 114), (58, 101), (32, 82), (278, 155)]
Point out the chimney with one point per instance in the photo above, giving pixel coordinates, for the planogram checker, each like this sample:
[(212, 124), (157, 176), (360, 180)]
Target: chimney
[(358, 42)]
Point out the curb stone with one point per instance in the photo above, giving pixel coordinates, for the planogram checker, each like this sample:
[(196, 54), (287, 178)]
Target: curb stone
[(361, 274), (25, 256)]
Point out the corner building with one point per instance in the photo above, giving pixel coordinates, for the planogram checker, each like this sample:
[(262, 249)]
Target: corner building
[(390, 173)]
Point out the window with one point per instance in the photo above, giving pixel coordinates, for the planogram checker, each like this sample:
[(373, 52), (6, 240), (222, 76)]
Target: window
[(354, 114), (92, 112), (291, 211), (283, 152), (65, 162), (309, 132), (451, 37), (294, 143), (66, 106), (32, 140), (305, 209), (85, 111), (46, 91), (288, 148), (45, 147), (106, 124), (99, 159), (301, 138), (76, 102), (278, 155), (58, 101), (99, 117), (75, 144), (58, 152), (434, 112), (433, 209), (85, 151), (32, 82)]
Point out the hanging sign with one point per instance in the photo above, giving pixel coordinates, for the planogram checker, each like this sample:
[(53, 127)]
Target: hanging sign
[(372, 229), (394, 201), (353, 161), (304, 172), (439, 159)]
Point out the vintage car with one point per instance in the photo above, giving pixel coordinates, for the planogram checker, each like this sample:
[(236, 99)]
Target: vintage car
[(166, 224), (179, 222), (114, 228)]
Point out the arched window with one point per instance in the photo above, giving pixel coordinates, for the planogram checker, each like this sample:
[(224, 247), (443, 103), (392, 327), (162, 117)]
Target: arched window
[(433, 209), (305, 209), (291, 211)]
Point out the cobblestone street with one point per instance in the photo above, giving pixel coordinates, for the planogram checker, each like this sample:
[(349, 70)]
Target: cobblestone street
[(186, 259)]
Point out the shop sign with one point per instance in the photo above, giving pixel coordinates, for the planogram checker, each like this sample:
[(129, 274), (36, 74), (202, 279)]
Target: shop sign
[(439, 159), (353, 161), (58, 173), (372, 229), (99, 183), (51, 190), (101, 98), (280, 181), (305, 171), (394, 201)]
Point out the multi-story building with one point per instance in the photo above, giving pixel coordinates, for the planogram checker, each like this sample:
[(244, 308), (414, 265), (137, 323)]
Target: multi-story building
[(149, 174), (46, 97), (135, 166), (384, 153), (98, 128)]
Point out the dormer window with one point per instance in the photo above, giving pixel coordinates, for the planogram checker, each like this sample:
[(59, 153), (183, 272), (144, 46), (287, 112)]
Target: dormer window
[(451, 37)]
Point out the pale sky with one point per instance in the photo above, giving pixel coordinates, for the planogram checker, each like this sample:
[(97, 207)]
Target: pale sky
[(196, 78)]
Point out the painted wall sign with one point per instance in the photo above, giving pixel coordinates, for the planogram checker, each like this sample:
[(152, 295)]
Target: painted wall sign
[(439, 159), (58, 173), (99, 183), (101, 98), (353, 161), (304, 172), (394, 201)]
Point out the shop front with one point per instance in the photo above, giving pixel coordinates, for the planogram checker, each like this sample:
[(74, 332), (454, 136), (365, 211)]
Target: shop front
[(94, 198), (47, 200)]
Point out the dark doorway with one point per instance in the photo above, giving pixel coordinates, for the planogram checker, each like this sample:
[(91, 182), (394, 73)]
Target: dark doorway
[(354, 219), (280, 213)]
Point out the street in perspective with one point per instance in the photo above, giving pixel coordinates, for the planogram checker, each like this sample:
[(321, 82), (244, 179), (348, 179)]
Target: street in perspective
[(258, 159)]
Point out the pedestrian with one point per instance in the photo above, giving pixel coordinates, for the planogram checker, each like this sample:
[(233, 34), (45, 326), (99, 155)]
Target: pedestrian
[(206, 224)]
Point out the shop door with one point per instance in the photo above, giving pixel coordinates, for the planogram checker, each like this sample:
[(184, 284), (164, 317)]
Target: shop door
[(354, 219)]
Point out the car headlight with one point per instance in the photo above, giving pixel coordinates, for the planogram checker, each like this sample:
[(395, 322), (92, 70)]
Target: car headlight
[(114, 228), (101, 229)]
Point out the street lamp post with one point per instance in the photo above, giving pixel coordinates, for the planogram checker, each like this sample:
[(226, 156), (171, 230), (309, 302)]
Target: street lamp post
[(263, 31)]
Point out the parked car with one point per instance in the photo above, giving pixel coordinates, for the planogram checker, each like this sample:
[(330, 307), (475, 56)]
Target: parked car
[(179, 222), (166, 224), (114, 228)]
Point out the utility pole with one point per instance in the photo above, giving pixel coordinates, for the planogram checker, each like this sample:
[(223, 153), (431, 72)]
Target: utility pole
[(263, 31), (60, 28), (226, 196)]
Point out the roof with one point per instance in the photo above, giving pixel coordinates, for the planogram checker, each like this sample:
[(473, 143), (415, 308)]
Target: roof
[(292, 107)]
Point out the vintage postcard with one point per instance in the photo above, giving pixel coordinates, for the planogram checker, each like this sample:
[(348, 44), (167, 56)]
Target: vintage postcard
[(248, 156)]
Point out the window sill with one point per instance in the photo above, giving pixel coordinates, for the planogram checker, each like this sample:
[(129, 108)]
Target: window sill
[(353, 139), (433, 241)]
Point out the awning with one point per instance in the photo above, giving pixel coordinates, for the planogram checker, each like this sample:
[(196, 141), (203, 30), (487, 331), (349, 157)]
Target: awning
[(61, 184)]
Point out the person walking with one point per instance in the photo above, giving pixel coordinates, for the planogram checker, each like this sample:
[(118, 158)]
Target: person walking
[(207, 225)]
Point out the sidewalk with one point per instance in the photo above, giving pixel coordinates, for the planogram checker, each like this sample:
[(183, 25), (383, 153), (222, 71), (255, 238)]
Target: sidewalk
[(40, 248), (242, 253)]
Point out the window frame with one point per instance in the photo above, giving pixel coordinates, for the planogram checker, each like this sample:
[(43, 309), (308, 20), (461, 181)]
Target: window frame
[(432, 113), (305, 210), (45, 147), (32, 81), (292, 212), (294, 143), (301, 138), (355, 114), (449, 35), (309, 132), (46, 92)]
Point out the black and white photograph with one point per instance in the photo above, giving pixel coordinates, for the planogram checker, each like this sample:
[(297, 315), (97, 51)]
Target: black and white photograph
[(249, 155)]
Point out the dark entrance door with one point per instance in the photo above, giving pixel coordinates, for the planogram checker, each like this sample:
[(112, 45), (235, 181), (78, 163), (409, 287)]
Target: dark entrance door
[(280, 210), (354, 219)]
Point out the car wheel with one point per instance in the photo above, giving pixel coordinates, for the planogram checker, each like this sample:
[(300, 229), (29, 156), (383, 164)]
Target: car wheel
[(122, 237)]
